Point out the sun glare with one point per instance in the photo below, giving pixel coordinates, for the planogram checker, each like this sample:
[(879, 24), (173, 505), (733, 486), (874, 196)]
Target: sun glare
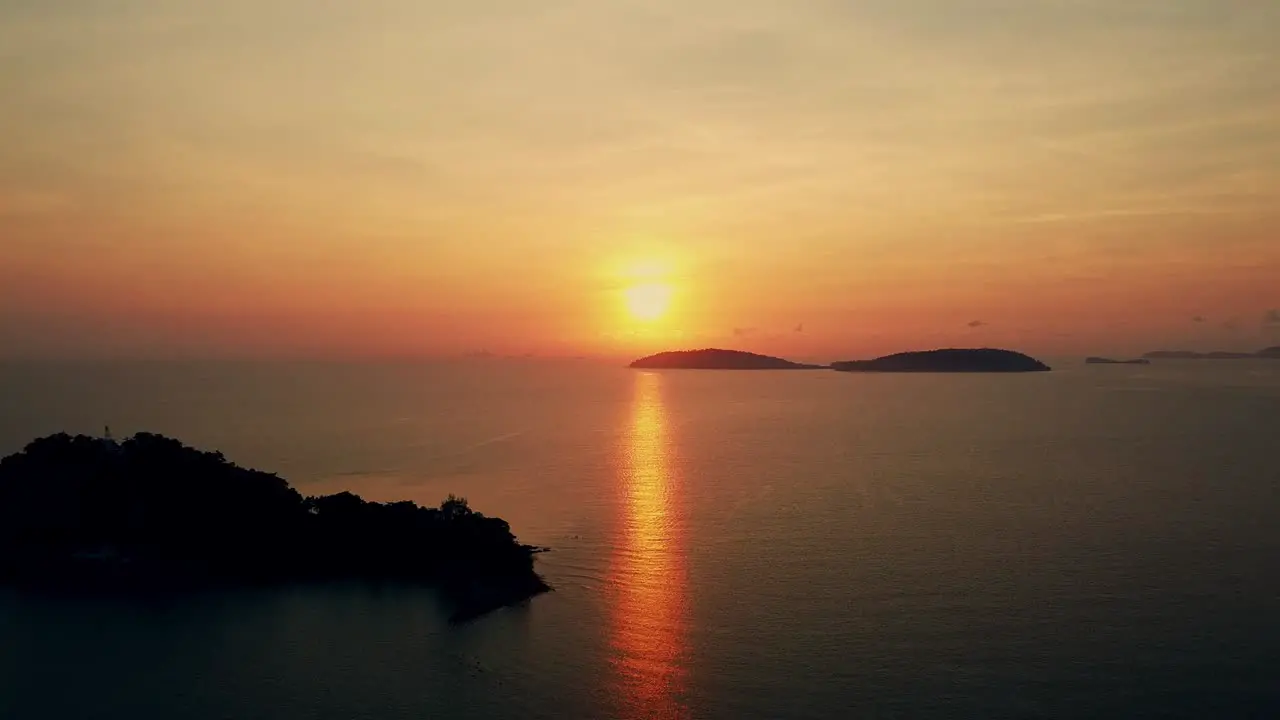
[(648, 302)]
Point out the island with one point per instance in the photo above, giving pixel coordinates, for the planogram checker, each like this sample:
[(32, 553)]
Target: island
[(1270, 353), (150, 513), (1109, 361), (1192, 355), (951, 360), (717, 359)]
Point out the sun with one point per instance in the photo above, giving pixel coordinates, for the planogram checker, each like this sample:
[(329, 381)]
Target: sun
[(649, 301)]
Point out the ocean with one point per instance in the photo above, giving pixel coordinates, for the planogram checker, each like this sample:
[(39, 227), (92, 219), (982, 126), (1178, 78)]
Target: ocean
[(1092, 542)]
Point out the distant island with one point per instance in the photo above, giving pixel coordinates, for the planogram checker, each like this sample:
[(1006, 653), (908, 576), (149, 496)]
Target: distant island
[(1109, 361), (983, 360), (716, 359), (152, 513), (1266, 353)]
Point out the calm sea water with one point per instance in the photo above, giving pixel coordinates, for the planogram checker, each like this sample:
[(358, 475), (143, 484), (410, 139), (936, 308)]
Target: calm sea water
[(1097, 541)]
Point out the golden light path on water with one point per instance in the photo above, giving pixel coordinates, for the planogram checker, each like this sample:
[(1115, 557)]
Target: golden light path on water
[(647, 577)]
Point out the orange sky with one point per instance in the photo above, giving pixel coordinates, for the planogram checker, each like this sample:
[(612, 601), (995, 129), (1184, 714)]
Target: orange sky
[(815, 179)]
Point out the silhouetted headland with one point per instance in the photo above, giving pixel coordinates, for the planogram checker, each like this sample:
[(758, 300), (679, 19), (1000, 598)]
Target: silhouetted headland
[(716, 359), (1271, 352), (151, 513), (1109, 361), (984, 360), (1216, 355)]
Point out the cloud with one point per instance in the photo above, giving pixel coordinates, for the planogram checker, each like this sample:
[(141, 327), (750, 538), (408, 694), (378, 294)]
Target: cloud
[(799, 328), (1199, 319), (722, 113), (1233, 324)]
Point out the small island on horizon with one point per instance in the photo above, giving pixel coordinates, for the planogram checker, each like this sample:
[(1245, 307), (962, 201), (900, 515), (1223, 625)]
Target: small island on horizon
[(949, 360), (717, 359), (149, 513), (1109, 361), (1265, 353)]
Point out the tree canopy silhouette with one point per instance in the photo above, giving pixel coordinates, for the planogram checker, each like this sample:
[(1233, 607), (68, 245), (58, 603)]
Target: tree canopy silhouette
[(150, 510)]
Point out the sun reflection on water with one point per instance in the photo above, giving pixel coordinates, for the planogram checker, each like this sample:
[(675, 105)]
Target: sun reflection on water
[(647, 577)]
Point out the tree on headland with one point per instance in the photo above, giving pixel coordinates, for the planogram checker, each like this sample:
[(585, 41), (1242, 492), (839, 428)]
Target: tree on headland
[(152, 510)]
